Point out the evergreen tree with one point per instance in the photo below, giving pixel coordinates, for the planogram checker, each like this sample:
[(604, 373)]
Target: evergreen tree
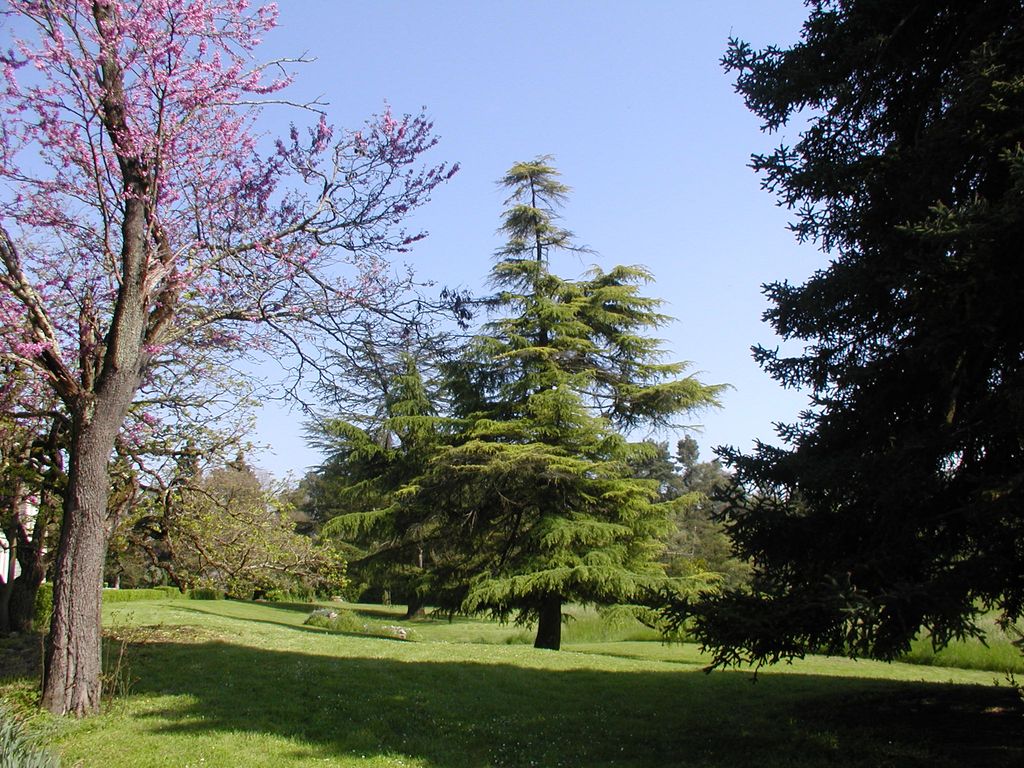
[(698, 541), (895, 503), (537, 493), (356, 491)]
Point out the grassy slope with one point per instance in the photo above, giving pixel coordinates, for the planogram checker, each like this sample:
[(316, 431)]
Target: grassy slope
[(235, 684)]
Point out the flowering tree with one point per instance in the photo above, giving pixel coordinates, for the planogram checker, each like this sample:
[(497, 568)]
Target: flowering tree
[(140, 225)]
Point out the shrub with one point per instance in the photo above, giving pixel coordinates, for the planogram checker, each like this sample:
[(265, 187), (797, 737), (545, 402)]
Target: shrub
[(348, 622), (43, 609), (131, 595), (19, 749), (291, 595), (205, 593)]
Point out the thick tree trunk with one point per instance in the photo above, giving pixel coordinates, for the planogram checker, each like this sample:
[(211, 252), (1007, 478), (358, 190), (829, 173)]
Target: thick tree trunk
[(415, 609), (549, 624), (73, 655)]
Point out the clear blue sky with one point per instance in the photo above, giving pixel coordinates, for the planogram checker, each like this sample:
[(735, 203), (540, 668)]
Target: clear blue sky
[(644, 126)]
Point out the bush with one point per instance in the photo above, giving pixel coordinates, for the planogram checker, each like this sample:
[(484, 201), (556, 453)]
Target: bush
[(205, 593), (296, 593), (43, 609), (131, 595), (18, 749), (347, 622)]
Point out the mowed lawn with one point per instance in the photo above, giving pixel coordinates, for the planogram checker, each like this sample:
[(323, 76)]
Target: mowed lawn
[(223, 683)]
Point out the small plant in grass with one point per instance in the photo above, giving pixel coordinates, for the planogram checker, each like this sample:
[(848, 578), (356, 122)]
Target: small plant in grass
[(18, 747), (117, 679), (335, 620)]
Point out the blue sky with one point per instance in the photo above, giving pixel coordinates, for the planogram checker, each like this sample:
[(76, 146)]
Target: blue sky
[(644, 125)]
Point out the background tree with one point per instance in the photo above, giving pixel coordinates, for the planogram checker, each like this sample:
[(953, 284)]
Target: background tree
[(226, 530), (536, 492), (896, 502), (698, 541), (175, 435), (147, 226), (33, 439), (356, 490)]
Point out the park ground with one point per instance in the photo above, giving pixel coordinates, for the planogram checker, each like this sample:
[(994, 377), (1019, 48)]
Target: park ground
[(225, 683)]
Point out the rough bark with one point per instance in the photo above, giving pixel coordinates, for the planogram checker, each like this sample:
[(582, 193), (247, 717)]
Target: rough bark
[(22, 601), (73, 656), (549, 624)]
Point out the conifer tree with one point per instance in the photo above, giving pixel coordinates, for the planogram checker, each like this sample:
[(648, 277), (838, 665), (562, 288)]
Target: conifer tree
[(357, 489), (537, 492), (895, 504)]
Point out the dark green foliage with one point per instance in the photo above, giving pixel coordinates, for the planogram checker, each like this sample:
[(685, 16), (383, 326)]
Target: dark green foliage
[(698, 542), (205, 593), (43, 608), (896, 502), (357, 489), (523, 496)]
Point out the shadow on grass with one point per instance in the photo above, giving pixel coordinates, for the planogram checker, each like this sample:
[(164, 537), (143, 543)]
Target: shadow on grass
[(248, 619), (457, 715)]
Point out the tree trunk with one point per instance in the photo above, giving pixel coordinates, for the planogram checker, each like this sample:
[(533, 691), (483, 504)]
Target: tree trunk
[(31, 554), (6, 587), (73, 654), (549, 624), (415, 609), (10, 533), (21, 607)]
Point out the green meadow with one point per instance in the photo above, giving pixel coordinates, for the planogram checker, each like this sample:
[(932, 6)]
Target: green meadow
[(224, 683)]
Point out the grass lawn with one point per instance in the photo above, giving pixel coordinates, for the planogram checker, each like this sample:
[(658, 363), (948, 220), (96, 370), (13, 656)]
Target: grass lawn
[(221, 683)]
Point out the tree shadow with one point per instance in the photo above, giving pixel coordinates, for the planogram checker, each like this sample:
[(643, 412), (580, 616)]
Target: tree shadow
[(250, 619), (458, 715)]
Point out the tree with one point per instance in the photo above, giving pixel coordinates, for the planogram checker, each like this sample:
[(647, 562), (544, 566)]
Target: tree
[(536, 491), (147, 227), (698, 542), (225, 529), (356, 491), (32, 443), (895, 502)]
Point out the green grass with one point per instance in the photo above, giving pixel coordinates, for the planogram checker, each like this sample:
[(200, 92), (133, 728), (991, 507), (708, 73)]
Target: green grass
[(996, 654), (240, 684)]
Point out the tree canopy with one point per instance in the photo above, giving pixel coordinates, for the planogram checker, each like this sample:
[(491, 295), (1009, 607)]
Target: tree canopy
[(895, 502)]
